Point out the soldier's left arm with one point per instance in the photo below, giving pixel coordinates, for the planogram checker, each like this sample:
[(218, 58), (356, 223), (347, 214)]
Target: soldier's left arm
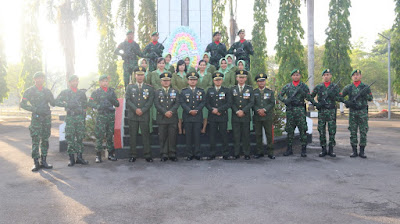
[(50, 98), (250, 48), (247, 108), (149, 102)]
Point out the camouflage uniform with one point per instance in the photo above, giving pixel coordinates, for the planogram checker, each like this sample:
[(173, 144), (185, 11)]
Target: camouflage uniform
[(104, 101), (242, 51), (75, 103), (153, 51), (37, 101), (217, 52), (130, 54)]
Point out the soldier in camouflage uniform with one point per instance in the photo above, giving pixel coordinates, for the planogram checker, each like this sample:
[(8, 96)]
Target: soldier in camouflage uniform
[(75, 103), (139, 99), (216, 49), (104, 100), (242, 102), (192, 100), (295, 93), (358, 96), (264, 103), (37, 99), (166, 100), (130, 52), (153, 51), (327, 93), (242, 49)]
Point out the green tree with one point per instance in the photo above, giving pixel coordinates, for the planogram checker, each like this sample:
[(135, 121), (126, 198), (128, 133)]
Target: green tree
[(218, 12), (126, 14), (395, 49), (3, 71), (147, 21), (318, 63), (289, 50), (107, 58), (259, 41), (31, 45), (337, 44)]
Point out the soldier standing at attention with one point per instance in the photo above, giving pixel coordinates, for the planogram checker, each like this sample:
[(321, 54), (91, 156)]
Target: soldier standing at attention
[(242, 49), (139, 99), (216, 49), (130, 52), (264, 103), (75, 103), (36, 99), (218, 101), (166, 100), (192, 101), (153, 51), (358, 96), (295, 92), (104, 100), (327, 93), (242, 102)]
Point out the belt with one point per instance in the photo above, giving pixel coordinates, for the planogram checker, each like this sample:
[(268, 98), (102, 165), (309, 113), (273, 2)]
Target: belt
[(329, 106), (74, 113)]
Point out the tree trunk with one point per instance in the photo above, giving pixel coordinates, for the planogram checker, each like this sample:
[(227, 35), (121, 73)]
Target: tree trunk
[(310, 35)]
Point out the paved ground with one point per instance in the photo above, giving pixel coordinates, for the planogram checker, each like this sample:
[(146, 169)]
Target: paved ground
[(287, 190)]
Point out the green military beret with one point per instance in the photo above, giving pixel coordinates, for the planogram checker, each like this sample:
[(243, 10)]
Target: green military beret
[(241, 73), (38, 74), (154, 33), (192, 75), (241, 30), (295, 71), (261, 77), (215, 33), (326, 71), (129, 32), (72, 78), (217, 75), (356, 71), (103, 77), (139, 70), (165, 76)]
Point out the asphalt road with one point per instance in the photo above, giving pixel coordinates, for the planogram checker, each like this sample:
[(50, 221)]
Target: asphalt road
[(286, 190)]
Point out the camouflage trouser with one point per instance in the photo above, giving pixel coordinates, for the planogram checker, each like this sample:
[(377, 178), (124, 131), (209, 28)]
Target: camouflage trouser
[(74, 133), (327, 116), (40, 130), (296, 117), (105, 128), (128, 66), (358, 119)]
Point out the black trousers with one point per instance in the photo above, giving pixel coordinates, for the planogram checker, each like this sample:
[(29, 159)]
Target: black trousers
[(218, 127), (167, 137), (241, 131), (192, 132)]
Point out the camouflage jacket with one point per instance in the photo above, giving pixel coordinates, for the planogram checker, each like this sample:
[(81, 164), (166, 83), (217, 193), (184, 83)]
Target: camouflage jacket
[(104, 101), (326, 96), (217, 52), (75, 103), (37, 101), (298, 100), (351, 91), (130, 51), (242, 51)]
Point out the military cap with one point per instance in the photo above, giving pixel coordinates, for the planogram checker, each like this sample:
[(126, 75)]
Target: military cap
[(215, 33), (295, 71), (326, 71), (154, 33), (38, 74), (139, 70), (356, 71), (103, 77), (192, 75), (241, 73), (241, 30), (166, 76), (129, 32), (217, 75), (72, 78), (261, 77)]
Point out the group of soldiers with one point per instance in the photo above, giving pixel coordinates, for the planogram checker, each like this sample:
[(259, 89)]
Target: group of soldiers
[(185, 100)]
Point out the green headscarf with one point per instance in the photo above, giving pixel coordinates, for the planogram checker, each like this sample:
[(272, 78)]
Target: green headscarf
[(167, 65), (244, 64), (223, 71), (230, 66), (140, 64)]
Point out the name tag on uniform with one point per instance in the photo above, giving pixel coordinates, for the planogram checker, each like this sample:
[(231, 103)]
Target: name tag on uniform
[(222, 96)]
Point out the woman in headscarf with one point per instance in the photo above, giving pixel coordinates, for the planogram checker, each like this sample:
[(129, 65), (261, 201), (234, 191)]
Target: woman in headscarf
[(228, 82), (231, 63), (210, 68), (168, 66), (188, 62), (204, 82), (178, 82)]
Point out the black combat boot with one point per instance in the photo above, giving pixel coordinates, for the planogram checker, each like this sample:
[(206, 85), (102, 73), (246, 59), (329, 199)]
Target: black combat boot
[(362, 154), (80, 160), (289, 151), (98, 157), (36, 165), (354, 154), (44, 164), (323, 152), (71, 160), (111, 155), (331, 153), (304, 151)]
